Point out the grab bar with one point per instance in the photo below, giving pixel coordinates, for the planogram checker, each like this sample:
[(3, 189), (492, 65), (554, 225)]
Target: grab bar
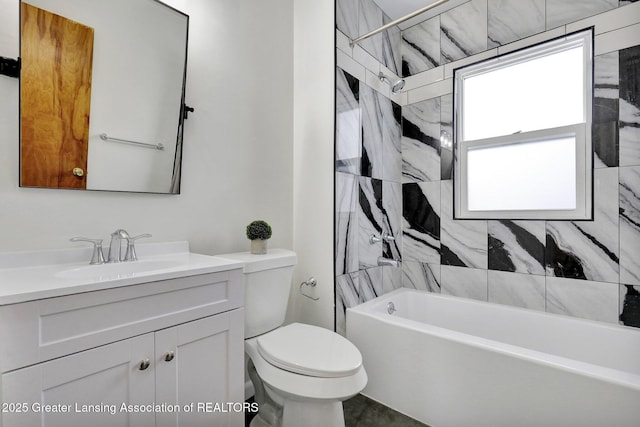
[(105, 137)]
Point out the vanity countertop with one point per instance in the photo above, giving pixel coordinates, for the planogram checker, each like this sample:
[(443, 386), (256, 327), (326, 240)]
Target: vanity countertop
[(28, 276)]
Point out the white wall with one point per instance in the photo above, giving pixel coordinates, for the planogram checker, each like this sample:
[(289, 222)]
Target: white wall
[(238, 149), (314, 91)]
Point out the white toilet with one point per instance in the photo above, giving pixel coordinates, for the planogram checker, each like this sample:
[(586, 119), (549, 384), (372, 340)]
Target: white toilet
[(300, 373)]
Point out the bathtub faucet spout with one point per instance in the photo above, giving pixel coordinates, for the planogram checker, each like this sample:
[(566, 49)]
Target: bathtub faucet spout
[(382, 261)]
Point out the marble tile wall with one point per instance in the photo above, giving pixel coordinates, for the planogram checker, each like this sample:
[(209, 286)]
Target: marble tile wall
[(588, 269), (368, 166), (478, 25), (357, 17), (393, 174), (368, 193)]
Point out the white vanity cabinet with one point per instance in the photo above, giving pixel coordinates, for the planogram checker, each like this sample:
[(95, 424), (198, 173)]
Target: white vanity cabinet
[(106, 375), (163, 353)]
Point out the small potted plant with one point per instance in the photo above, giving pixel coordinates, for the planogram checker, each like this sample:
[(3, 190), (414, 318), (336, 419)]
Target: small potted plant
[(258, 232)]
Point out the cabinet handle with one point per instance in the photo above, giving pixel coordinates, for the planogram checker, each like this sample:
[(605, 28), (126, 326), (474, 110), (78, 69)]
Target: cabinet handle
[(169, 355), (144, 364)]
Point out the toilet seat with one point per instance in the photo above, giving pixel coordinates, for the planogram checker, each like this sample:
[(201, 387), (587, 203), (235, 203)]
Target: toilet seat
[(298, 386), (310, 350)]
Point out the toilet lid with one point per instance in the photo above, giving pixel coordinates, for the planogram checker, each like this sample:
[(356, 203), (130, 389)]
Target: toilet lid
[(310, 350)]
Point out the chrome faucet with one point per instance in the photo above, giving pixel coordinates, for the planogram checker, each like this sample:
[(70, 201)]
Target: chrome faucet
[(115, 247)]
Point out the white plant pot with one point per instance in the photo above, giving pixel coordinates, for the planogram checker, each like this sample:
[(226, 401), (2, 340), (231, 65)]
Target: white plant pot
[(259, 247)]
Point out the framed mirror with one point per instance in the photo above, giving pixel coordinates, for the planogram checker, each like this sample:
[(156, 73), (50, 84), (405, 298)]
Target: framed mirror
[(102, 91)]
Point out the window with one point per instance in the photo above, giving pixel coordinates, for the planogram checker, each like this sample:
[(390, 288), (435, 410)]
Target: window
[(523, 133)]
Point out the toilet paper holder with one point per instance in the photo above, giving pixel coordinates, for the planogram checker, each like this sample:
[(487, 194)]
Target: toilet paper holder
[(312, 282)]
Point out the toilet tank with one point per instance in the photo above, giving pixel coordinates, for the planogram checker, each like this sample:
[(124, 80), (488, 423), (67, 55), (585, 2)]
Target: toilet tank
[(267, 283)]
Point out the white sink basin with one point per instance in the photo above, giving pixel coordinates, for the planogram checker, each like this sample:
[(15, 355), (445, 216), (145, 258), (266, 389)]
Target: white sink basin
[(27, 276), (119, 269)]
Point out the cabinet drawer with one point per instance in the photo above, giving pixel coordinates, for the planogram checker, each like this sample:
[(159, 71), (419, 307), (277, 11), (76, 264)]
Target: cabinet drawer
[(36, 331)]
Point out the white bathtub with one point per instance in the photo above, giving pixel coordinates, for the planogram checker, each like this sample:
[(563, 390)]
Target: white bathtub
[(452, 362)]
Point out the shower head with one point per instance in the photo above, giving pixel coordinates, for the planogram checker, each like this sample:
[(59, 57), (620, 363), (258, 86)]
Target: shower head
[(396, 86)]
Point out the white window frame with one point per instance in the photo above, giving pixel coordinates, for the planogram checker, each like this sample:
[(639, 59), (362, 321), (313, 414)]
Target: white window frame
[(581, 132)]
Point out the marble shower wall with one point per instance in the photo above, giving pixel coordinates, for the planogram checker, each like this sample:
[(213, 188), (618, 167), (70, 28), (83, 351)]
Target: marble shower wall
[(368, 167), (577, 268), (357, 17), (368, 193), (478, 25), (588, 269)]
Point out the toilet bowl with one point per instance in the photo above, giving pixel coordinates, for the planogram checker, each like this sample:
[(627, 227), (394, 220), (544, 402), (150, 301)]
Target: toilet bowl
[(301, 373), (307, 371)]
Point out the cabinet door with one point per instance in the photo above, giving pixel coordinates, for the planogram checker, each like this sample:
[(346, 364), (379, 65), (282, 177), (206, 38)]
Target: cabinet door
[(204, 372), (84, 389)]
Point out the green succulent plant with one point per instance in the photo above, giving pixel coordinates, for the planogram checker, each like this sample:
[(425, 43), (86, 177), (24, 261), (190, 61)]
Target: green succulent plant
[(258, 229)]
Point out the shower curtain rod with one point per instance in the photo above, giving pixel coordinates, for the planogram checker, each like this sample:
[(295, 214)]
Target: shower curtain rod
[(396, 22)]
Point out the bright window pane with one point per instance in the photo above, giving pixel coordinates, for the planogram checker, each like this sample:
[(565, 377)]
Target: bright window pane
[(540, 93), (539, 175)]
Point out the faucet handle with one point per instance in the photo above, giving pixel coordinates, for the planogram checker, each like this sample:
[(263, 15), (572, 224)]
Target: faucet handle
[(97, 257), (388, 237), (131, 249)]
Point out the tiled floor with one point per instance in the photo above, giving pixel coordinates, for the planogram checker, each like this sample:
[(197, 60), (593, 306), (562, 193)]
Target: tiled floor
[(360, 411)]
